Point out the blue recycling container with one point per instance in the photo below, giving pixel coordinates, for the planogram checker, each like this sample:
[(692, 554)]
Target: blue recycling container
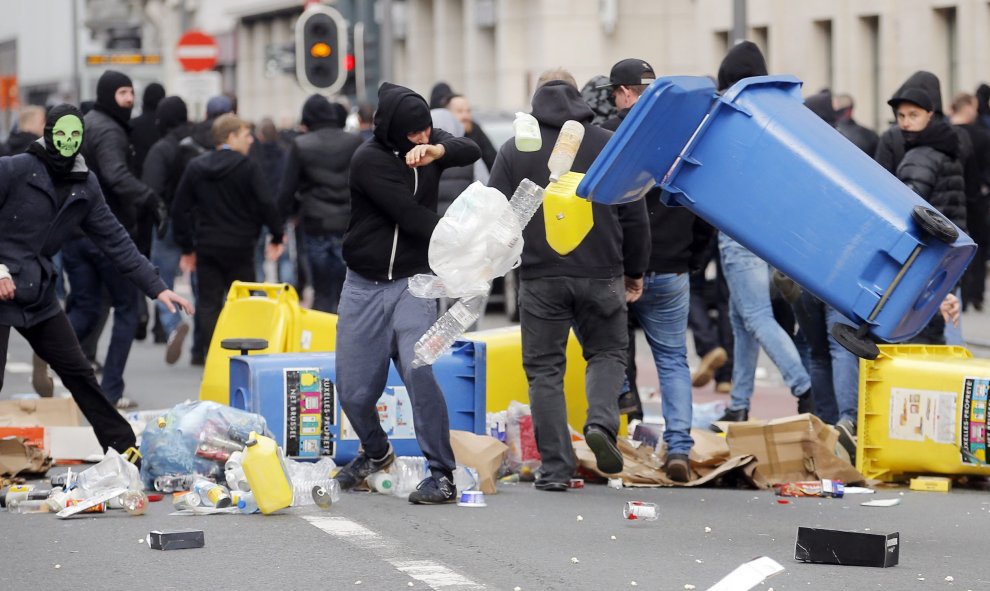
[(296, 393), (768, 172), (649, 140)]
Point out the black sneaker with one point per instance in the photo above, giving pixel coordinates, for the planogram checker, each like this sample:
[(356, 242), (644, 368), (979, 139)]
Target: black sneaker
[(804, 403), (847, 438), (731, 415), (607, 454), (362, 467), (678, 467), (434, 491), (550, 485)]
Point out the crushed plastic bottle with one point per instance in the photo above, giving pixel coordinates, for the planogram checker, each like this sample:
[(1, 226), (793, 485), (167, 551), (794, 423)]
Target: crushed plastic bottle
[(527, 131), (323, 492), (212, 494), (565, 150), (447, 329), (135, 502), (28, 506)]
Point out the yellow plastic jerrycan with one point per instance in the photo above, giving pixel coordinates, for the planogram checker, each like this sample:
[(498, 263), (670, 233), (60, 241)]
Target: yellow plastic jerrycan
[(264, 468), (567, 217)]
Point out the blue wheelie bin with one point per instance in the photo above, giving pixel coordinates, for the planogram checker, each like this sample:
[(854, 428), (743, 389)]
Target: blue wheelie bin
[(768, 172)]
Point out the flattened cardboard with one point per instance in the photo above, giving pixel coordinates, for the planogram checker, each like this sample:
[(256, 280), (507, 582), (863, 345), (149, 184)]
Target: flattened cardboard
[(847, 548), (483, 453), (16, 456), (791, 449), (47, 412)]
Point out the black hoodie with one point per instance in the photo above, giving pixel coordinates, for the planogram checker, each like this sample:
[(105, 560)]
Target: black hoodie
[(619, 242), (931, 168), (744, 60), (221, 203), (394, 207), (821, 105)]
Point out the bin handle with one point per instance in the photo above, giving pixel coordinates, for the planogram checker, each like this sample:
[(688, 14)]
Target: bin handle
[(242, 289), (788, 82)]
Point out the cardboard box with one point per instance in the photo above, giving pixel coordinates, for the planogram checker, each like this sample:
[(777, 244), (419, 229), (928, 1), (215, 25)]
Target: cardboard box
[(931, 483), (176, 540), (847, 548), (48, 412), (790, 449), (52, 424), (16, 457)]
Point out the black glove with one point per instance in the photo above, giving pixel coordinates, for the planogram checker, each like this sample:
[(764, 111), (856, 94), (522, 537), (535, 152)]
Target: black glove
[(159, 214)]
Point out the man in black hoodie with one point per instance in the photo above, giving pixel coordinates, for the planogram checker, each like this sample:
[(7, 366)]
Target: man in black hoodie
[(108, 153), (220, 205), (865, 139), (160, 174), (315, 185), (680, 240), (395, 179), (144, 129), (588, 288)]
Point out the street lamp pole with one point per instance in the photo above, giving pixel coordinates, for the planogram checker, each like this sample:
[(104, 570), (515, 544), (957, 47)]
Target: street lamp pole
[(738, 21)]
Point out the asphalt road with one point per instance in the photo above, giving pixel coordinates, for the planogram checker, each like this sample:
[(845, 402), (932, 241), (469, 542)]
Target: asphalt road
[(524, 538)]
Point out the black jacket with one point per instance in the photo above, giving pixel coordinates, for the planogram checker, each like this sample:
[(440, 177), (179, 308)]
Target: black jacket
[(932, 169), (619, 242), (17, 142), (33, 230), (680, 239), (108, 152), (161, 172), (221, 203), (865, 139), (316, 180), (394, 207), (144, 134)]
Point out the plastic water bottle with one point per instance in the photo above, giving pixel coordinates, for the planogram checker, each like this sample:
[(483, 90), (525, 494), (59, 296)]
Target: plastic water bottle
[(28, 506), (565, 150), (246, 503), (382, 482), (527, 130), (212, 494), (323, 492), (447, 329), (234, 473), (526, 200)]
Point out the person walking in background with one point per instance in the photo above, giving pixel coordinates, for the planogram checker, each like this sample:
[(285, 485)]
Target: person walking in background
[(965, 116), (220, 205), (30, 126), (864, 138), (748, 278), (160, 175), (365, 114), (316, 188), (144, 128), (461, 108), (270, 154), (46, 196), (394, 179), (588, 289)]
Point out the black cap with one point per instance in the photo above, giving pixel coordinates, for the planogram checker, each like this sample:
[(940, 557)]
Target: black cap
[(912, 95), (630, 72)]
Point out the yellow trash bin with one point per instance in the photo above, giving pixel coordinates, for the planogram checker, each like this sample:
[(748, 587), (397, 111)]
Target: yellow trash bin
[(922, 410), (268, 311)]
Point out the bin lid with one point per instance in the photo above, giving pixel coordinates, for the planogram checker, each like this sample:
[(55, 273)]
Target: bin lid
[(649, 140), (786, 82)]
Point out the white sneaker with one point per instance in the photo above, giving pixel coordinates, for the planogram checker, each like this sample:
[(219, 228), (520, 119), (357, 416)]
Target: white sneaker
[(125, 403)]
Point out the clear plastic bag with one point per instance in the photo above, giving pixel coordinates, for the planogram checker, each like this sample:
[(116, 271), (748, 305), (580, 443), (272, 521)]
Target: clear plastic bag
[(172, 445), (113, 471), (524, 457)]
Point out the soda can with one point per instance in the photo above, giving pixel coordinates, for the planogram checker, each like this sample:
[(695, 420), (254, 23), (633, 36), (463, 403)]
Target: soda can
[(640, 511), (97, 508), (576, 483)]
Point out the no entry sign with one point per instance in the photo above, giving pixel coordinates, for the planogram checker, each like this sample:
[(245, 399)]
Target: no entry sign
[(197, 51)]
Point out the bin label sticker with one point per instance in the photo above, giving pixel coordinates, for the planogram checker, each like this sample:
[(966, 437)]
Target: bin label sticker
[(394, 413), (974, 420), (917, 415), (309, 414)]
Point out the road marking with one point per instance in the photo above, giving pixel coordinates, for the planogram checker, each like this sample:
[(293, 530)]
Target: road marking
[(19, 367), (433, 574)]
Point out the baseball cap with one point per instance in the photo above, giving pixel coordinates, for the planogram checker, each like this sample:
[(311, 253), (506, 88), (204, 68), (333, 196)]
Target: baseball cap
[(630, 72)]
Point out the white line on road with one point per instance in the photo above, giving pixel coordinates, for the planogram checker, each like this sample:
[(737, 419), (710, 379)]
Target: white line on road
[(434, 574), (19, 367)]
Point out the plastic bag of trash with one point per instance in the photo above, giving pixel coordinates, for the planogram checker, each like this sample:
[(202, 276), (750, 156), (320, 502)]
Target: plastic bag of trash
[(478, 239), (195, 437), (523, 457), (307, 471), (113, 471)]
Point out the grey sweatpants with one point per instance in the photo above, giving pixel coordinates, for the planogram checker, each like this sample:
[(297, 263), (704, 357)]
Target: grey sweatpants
[(548, 308), (381, 321)]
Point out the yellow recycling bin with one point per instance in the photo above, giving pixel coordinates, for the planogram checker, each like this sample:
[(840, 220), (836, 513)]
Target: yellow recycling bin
[(567, 218), (922, 410), (267, 311)]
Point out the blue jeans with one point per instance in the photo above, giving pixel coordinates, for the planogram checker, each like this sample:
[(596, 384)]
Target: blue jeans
[(663, 313), (165, 254), (954, 334), (88, 270), (753, 325), (285, 269), (326, 261), (834, 370)]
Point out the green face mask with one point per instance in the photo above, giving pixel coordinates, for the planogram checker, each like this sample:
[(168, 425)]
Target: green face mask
[(67, 135)]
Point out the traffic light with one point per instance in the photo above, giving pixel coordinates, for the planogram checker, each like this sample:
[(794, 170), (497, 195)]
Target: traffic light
[(321, 49)]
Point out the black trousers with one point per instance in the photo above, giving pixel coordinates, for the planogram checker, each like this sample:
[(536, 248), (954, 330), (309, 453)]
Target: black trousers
[(55, 342), (215, 272)]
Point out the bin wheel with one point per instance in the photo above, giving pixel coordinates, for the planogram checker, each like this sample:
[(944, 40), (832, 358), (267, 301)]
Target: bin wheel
[(859, 345), (934, 224)]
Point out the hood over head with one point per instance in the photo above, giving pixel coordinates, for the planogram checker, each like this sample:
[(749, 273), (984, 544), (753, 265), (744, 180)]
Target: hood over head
[(983, 99), (219, 105), (821, 105), (153, 95), (557, 101), (318, 112), (59, 148), (400, 112), (927, 82), (171, 113), (744, 60), (106, 90)]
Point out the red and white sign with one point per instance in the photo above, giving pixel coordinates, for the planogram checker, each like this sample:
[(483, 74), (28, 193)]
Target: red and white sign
[(197, 51)]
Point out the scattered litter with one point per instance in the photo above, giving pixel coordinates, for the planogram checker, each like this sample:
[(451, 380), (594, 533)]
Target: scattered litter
[(949, 579), (698, 560), (882, 502), (615, 483), (579, 518), (576, 483), (357, 582), (708, 530), (517, 589), (409, 584), (574, 559), (689, 586), (633, 583), (847, 548), (931, 484), (811, 488), (58, 566), (748, 575), (640, 511), (859, 490), (176, 540), (613, 537)]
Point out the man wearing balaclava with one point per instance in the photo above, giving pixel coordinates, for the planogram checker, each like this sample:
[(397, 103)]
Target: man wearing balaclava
[(108, 151), (46, 196), (172, 119), (394, 181), (144, 127), (315, 187)]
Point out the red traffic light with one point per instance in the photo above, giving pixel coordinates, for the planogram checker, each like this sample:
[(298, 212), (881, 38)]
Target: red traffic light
[(349, 62)]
